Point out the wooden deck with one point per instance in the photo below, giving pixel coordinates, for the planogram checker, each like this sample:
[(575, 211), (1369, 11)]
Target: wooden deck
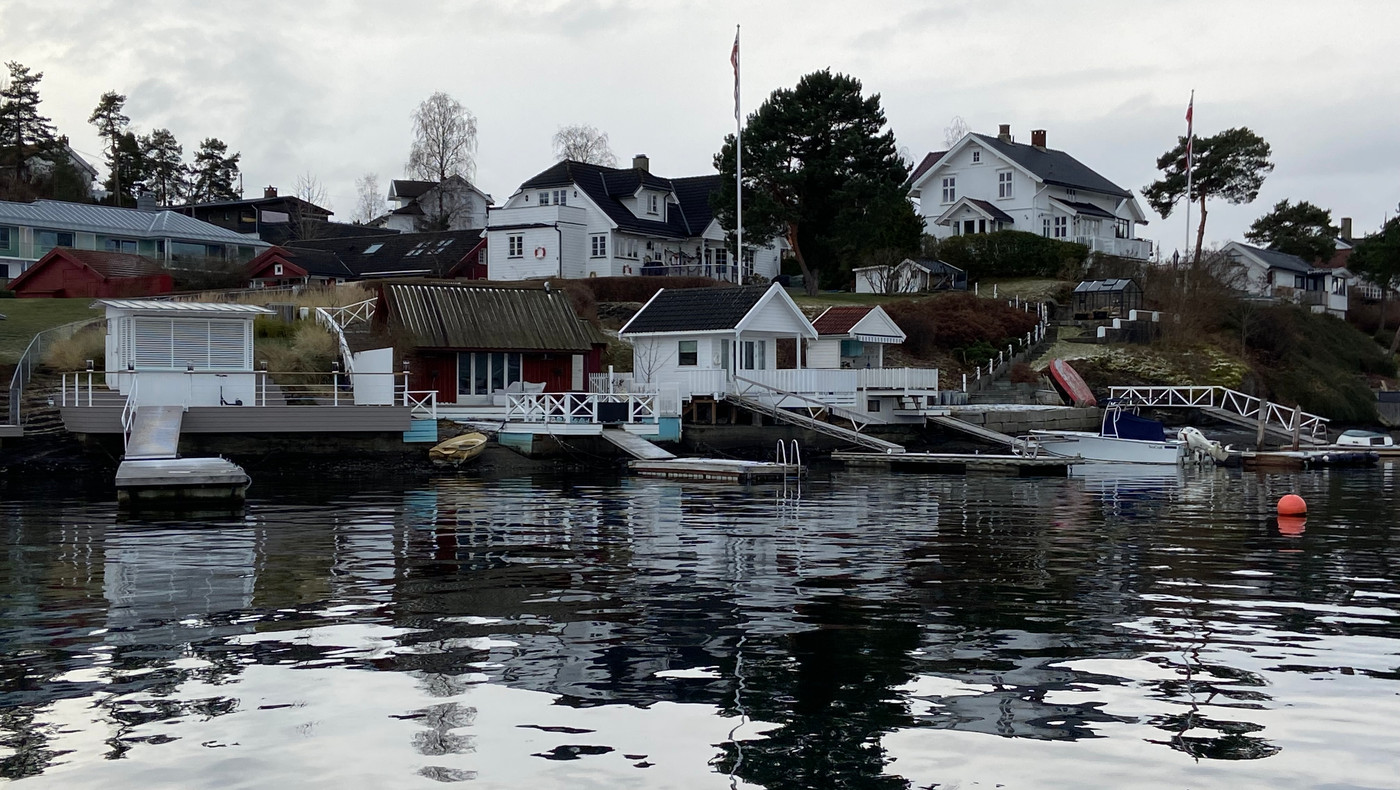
[(716, 469), (254, 419), (961, 463)]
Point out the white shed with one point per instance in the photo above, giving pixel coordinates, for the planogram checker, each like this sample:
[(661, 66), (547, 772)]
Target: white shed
[(181, 353), (853, 337)]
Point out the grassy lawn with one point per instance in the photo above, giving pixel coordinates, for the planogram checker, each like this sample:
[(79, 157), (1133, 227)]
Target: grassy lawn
[(24, 318)]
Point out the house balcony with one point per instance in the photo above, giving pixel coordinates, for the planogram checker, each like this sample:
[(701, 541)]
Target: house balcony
[(833, 387), (1139, 249), (535, 215)]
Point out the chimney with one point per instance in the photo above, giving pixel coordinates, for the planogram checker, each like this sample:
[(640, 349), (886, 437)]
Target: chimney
[(1038, 138), (1004, 133), (269, 192), (642, 163), (1346, 229), (146, 201)]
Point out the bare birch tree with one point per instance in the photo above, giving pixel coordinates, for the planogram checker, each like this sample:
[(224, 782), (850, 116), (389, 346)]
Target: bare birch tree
[(307, 222), (369, 202), (583, 143), (956, 130), (444, 140)]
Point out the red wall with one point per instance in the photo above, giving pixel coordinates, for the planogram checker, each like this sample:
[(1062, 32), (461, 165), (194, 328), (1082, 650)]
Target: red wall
[(61, 278)]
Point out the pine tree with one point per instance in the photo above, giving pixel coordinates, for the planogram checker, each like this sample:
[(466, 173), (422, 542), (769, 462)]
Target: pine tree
[(111, 126), (164, 166), (214, 175), (23, 131)]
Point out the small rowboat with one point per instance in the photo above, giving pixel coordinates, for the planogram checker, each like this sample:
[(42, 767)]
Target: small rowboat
[(458, 450)]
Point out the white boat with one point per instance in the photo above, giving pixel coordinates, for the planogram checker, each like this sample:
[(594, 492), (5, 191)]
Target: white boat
[(1123, 437), (1357, 438)]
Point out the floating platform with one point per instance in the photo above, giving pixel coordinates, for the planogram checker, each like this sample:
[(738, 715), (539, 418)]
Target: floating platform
[(1295, 460), (717, 469), (962, 463), (175, 482)]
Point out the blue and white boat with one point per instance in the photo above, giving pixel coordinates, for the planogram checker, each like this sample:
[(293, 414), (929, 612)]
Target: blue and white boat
[(1123, 437)]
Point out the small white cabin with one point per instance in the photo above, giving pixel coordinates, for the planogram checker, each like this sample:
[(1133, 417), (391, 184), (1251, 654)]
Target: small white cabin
[(853, 338), (697, 339), (161, 344)]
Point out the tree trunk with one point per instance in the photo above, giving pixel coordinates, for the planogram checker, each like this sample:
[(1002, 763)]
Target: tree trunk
[(1385, 290), (1200, 233), (809, 277)]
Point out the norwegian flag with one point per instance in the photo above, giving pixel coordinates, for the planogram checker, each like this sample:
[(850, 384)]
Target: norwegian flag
[(734, 61)]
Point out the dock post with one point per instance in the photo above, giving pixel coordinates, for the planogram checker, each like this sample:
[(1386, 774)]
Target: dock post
[(1263, 414), (1297, 424)]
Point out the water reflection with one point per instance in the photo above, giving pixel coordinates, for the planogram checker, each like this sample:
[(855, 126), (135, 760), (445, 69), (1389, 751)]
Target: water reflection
[(846, 635)]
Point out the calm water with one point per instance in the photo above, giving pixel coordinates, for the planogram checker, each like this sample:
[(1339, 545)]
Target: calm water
[(868, 630)]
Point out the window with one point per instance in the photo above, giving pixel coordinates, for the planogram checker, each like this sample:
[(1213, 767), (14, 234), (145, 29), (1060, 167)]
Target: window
[(629, 248), (721, 257), (1061, 227), (751, 355), (561, 197), (5, 237), (748, 260), (516, 248), (45, 240), (119, 245), (1069, 193), (688, 353), (872, 404), (950, 189), (1004, 184), (598, 245), (1122, 229), (276, 270), (544, 198), (371, 249), (976, 157), (652, 204), (485, 372), (1045, 231)]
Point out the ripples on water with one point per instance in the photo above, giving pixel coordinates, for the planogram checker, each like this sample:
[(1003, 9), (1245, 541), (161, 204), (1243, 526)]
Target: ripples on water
[(866, 631)]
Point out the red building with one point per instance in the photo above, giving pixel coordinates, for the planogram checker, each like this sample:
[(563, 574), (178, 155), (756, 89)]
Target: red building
[(69, 273)]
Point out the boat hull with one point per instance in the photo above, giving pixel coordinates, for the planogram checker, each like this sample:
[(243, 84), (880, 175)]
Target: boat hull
[(1094, 447)]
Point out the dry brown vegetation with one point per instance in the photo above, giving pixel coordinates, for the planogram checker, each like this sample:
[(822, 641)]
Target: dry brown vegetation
[(73, 353)]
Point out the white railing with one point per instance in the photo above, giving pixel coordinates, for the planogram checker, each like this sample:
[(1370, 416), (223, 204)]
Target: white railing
[(1111, 245), (831, 387), (421, 403), (210, 388), (336, 319), (611, 382), (689, 383), (33, 356), (903, 379), (579, 407), (128, 413), (1225, 399)]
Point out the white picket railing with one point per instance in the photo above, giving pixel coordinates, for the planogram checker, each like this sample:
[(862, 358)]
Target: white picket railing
[(1225, 399), (901, 379), (579, 407)]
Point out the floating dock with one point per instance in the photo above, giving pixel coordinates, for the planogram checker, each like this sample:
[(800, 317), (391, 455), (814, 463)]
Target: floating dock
[(725, 470), (1295, 460), (152, 473), (962, 463)]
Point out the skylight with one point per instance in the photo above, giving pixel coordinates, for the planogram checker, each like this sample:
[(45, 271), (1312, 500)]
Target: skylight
[(371, 249)]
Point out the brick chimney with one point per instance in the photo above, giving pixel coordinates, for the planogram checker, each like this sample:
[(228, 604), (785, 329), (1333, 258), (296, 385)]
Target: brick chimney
[(269, 192), (1004, 133), (1038, 138), (1346, 229), (642, 163), (146, 201)]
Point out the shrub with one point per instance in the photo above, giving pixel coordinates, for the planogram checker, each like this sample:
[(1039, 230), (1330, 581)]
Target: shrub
[(267, 326), (74, 352), (1013, 253), (958, 322)]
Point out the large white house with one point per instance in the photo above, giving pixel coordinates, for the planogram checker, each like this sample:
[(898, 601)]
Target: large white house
[(984, 184), (1278, 275), (578, 220), (453, 204)]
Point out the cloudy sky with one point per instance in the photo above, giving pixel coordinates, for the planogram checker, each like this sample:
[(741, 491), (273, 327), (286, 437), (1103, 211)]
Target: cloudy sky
[(327, 88)]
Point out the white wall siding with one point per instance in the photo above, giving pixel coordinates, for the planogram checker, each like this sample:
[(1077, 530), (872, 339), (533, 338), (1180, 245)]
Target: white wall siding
[(823, 353)]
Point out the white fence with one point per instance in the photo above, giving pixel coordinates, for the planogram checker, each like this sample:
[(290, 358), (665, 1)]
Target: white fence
[(578, 407), (1225, 399), (899, 379)]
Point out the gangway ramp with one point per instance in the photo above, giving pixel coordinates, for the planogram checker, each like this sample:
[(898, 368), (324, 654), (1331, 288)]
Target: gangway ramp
[(985, 434), (811, 423), (155, 433), (635, 446)]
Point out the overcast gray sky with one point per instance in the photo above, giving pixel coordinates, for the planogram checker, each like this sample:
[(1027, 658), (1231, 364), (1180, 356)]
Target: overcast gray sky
[(327, 88)]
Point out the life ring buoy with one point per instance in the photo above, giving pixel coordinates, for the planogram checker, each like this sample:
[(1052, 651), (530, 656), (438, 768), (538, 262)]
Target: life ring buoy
[(539, 252), (626, 269)]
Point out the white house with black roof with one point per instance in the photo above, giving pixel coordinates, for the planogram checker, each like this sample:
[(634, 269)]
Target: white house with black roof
[(452, 204), (984, 184), (1279, 275), (578, 220)]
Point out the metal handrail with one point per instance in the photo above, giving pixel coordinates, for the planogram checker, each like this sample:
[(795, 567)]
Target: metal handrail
[(33, 357), (128, 411)]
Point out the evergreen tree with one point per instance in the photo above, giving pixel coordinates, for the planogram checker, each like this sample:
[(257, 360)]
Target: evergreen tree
[(821, 170), (214, 174), (1230, 165), (1300, 229), (164, 166), (126, 171), (1377, 257), (24, 133), (111, 126)]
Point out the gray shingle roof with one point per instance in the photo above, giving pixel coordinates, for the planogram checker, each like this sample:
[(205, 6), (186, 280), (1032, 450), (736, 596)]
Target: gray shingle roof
[(90, 218), (1053, 167), (432, 254), (696, 309), (1278, 260)]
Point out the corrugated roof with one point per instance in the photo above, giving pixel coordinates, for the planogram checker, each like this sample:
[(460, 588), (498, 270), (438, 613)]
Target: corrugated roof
[(90, 218), (171, 306), (485, 318), (696, 309)]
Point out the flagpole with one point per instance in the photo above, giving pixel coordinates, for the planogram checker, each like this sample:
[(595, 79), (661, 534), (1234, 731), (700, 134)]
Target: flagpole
[(738, 170), (1190, 121)]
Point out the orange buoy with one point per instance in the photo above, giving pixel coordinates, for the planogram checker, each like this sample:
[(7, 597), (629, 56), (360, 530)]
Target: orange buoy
[(1292, 505), (1291, 526)]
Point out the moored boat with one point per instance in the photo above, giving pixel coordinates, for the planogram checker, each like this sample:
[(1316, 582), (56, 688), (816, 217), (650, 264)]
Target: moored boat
[(458, 450), (1123, 437)]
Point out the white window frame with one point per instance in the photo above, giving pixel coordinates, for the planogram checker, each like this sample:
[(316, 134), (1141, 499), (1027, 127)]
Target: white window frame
[(515, 246), (653, 204), (598, 245), (751, 355), (544, 198), (1061, 227), (950, 189), (1045, 228), (561, 197), (1005, 182), (976, 156), (688, 353)]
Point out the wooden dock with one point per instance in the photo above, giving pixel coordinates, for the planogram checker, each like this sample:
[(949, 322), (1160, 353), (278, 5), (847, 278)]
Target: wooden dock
[(962, 463), (716, 469), (1297, 460)]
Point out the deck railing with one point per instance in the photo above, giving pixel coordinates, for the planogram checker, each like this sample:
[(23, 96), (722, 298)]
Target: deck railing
[(579, 407), (33, 356), (1225, 399), (267, 388)]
